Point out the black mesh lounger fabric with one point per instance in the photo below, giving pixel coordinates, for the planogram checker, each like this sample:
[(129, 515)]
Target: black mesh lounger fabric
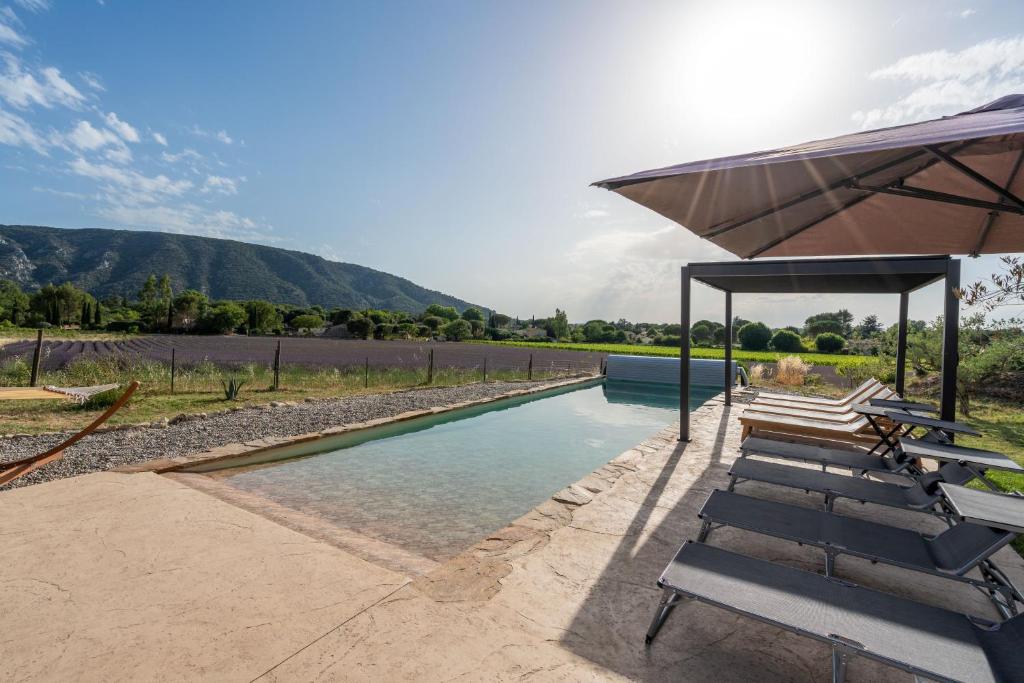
[(819, 528), (917, 638), (839, 485), (918, 448), (835, 457)]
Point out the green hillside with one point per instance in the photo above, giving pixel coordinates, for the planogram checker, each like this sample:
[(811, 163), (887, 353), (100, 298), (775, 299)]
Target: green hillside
[(105, 262)]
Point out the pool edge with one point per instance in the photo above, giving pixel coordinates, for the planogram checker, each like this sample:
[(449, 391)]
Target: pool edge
[(226, 453)]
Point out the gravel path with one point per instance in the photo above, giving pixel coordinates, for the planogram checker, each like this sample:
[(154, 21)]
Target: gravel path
[(124, 447)]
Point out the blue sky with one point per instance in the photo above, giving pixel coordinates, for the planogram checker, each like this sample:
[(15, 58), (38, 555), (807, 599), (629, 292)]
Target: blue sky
[(453, 143)]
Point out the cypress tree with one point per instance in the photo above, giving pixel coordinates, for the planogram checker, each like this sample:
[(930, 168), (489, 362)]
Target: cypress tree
[(96, 318), (170, 314), (86, 314), (15, 312)]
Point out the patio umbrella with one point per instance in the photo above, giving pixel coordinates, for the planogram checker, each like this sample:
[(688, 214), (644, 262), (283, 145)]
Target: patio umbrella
[(949, 186)]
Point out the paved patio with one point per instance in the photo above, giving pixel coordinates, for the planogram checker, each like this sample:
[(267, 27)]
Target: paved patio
[(150, 577)]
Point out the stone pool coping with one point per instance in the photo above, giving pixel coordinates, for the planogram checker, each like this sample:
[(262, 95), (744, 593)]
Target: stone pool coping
[(228, 452)]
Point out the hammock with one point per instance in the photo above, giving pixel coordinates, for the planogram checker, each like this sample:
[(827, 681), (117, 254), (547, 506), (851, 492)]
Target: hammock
[(79, 394), (18, 468)]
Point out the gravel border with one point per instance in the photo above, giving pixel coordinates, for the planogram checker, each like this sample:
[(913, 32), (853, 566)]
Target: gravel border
[(167, 439)]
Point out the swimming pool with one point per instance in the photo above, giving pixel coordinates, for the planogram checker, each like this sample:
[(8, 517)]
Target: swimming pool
[(437, 484)]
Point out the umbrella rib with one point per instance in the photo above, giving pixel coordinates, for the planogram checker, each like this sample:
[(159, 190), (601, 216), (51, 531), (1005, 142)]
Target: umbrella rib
[(806, 226), (763, 213), (974, 175), (932, 195), (990, 219)]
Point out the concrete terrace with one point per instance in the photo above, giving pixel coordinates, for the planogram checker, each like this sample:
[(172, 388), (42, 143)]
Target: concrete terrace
[(150, 577)]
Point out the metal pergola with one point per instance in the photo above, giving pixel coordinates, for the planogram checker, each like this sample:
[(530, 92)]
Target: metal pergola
[(900, 275)]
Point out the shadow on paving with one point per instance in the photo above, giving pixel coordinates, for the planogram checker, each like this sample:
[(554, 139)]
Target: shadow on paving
[(698, 642)]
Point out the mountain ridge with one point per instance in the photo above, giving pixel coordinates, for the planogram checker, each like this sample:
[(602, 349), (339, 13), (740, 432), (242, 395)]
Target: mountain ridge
[(105, 262)]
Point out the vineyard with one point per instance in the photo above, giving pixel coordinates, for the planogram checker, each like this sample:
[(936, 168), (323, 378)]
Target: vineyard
[(820, 359)]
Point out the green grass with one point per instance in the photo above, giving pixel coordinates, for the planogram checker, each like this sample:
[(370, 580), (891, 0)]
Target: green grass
[(834, 360)]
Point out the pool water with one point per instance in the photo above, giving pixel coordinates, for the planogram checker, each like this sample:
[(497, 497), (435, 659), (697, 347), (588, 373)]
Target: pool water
[(438, 484)]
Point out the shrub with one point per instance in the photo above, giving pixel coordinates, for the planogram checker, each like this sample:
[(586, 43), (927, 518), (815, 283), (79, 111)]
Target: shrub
[(824, 327), (785, 340), (457, 330), (434, 322), (307, 321), (700, 333), (360, 328), (755, 337), (472, 313), (667, 340), (129, 326), (828, 342), (758, 373), (792, 370), (222, 318)]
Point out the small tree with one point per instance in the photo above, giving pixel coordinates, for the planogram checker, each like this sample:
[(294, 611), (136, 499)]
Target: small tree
[(785, 340), (700, 333), (824, 326), (827, 342), (361, 328), (307, 322), (754, 337), (446, 312), (869, 327), (86, 317), (457, 330), (472, 313), (222, 318), (558, 326)]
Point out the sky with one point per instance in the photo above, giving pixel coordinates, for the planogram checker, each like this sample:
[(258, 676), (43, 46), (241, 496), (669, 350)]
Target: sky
[(454, 143)]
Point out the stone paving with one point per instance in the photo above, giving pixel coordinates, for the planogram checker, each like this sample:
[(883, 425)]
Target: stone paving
[(147, 577)]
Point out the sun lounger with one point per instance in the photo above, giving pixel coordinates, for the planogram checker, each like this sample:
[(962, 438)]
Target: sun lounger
[(855, 431), (951, 554), (921, 495), (818, 401), (855, 460), (928, 641), (879, 391), (17, 468)]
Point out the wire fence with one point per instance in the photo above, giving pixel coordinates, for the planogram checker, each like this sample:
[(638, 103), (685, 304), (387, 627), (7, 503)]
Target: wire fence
[(189, 364)]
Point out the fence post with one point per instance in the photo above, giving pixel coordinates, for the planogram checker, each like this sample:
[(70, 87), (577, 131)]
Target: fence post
[(172, 369), (430, 368), (529, 368), (366, 374), (277, 366), (35, 358)]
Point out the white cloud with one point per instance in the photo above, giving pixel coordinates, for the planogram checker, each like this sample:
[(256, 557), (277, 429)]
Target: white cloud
[(189, 219), (220, 185), (34, 5), (8, 36), (18, 132), (135, 186), (160, 139), (126, 131), (224, 137), (92, 81), (967, 13), (22, 89), (86, 137), (945, 82), (187, 153)]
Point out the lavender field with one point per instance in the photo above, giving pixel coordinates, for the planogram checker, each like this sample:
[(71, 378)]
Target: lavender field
[(313, 353)]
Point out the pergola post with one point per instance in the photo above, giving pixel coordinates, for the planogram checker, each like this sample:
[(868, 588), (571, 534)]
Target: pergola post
[(901, 344), (729, 376), (950, 340), (684, 356)]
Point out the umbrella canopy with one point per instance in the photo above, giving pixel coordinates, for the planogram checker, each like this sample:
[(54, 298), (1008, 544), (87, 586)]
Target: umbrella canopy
[(951, 186)]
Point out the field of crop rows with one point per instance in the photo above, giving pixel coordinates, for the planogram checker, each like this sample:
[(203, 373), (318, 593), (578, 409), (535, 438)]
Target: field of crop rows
[(234, 351)]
